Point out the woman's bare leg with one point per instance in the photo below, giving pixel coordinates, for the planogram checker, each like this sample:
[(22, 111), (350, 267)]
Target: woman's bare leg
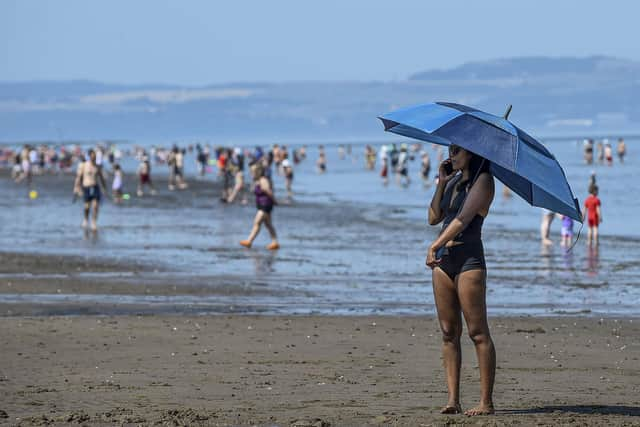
[(257, 222), (269, 225), (472, 288), (448, 307)]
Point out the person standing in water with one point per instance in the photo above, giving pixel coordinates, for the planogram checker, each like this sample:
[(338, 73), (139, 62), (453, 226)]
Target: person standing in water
[(461, 202), (288, 177), (144, 176), (88, 180), (588, 151), (384, 165), (621, 149), (600, 151), (566, 232), (608, 153), (545, 226), (265, 201), (322, 160), (425, 169), (116, 186), (402, 168), (593, 214), (237, 163)]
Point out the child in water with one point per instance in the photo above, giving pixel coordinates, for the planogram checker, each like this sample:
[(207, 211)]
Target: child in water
[(116, 187), (566, 231), (593, 213)]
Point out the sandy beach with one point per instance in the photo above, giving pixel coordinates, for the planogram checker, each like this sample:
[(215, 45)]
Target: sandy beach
[(161, 318), (341, 371)]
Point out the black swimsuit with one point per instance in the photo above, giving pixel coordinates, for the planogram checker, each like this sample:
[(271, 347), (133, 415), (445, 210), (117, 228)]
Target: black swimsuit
[(469, 254)]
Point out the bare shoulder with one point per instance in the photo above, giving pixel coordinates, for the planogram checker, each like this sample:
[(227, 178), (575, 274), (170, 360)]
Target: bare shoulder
[(484, 185), (486, 181)]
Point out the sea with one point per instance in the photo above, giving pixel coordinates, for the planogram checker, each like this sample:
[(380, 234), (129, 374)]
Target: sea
[(351, 245)]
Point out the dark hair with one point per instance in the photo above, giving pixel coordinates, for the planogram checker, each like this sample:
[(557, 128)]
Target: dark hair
[(477, 166)]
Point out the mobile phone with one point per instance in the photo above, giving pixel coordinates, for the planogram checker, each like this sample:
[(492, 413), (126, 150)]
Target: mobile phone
[(448, 168)]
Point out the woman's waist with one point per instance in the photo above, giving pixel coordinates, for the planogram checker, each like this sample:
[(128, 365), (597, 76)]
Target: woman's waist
[(457, 248)]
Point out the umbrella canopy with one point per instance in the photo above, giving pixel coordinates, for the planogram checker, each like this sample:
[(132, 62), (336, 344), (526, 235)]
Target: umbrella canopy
[(519, 161)]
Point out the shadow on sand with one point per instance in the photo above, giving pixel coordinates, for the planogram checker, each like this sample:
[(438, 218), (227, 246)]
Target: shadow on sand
[(633, 411)]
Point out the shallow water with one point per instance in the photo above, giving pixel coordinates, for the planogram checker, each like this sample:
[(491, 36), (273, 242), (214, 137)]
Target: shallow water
[(349, 244)]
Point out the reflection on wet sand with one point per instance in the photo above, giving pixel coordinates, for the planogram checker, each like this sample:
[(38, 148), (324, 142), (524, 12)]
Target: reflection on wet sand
[(593, 260), (547, 260), (262, 261)]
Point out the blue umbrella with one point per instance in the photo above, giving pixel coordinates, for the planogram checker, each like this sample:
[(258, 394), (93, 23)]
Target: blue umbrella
[(519, 161)]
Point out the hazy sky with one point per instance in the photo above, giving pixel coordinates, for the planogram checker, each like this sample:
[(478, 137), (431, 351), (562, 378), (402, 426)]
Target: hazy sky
[(200, 42)]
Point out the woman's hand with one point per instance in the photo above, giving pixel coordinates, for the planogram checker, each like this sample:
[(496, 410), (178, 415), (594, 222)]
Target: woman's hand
[(443, 178), (431, 261)]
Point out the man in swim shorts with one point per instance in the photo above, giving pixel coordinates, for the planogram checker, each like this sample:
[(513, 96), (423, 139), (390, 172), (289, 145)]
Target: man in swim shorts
[(88, 180)]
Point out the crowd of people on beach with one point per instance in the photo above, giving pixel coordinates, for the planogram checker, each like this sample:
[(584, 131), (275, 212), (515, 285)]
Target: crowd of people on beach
[(243, 171)]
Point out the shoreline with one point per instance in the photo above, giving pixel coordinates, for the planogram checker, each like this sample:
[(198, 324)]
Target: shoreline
[(275, 370)]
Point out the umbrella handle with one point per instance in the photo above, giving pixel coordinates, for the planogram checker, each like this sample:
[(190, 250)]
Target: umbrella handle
[(506, 113)]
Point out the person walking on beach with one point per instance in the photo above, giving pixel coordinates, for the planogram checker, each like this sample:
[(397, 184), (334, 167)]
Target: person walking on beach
[(593, 213), (461, 202), (265, 200), (175, 160), (88, 181), (621, 149)]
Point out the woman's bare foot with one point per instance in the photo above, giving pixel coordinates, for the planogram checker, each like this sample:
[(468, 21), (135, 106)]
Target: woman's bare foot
[(451, 409), (481, 409)]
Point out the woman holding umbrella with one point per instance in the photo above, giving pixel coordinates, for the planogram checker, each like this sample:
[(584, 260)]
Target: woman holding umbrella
[(481, 146), (461, 202)]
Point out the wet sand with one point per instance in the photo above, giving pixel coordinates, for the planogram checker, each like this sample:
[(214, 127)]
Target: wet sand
[(346, 371)]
